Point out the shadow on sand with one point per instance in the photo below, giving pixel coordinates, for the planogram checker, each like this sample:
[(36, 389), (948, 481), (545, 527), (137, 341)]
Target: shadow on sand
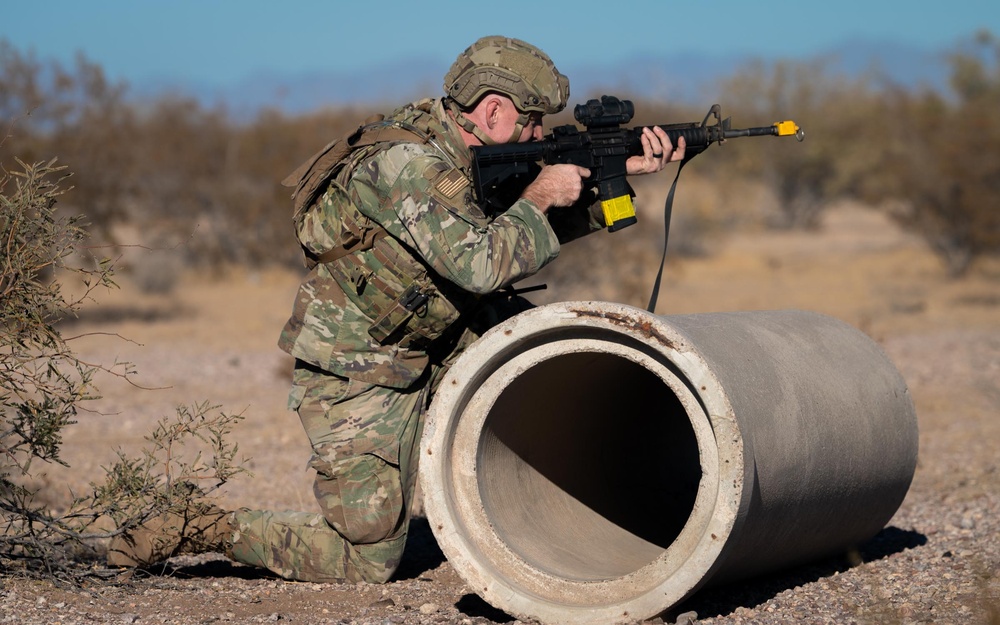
[(422, 554), (751, 593)]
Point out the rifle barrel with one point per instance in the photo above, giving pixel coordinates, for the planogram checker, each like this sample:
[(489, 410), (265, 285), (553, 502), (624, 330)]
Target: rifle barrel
[(760, 131)]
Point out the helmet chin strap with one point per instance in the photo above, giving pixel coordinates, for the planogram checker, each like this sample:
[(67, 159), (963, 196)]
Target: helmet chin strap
[(477, 132)]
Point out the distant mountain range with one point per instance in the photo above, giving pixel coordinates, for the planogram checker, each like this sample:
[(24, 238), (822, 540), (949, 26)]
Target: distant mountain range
[(685, 78)]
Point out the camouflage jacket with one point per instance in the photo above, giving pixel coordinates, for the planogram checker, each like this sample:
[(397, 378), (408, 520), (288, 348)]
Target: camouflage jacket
[(438, 240)]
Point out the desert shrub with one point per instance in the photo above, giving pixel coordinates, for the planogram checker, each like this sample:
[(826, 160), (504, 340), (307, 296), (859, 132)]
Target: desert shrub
[(43, 385), (942, 175), (843, 136), (83, 113), (931, 158), (181, 175), (42, 382)]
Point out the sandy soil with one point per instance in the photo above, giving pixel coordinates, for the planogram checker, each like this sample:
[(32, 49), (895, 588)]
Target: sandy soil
[(214, 339)]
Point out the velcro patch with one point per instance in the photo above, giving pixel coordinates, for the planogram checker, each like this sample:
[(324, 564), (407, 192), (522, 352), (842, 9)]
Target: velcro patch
[(451, 183)]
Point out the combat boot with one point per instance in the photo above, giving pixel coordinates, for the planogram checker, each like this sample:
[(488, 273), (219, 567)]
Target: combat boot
[(173, 534)]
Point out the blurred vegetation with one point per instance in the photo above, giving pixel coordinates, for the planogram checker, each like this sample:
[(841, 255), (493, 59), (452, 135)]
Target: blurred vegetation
[(171, 174), (944, 161), (931, 159)]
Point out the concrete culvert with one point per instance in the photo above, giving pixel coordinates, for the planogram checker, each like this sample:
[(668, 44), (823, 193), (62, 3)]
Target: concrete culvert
[(588, 462)]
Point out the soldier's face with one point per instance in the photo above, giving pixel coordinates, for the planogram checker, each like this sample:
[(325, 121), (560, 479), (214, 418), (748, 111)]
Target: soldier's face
[(533, 129), (507, 116)]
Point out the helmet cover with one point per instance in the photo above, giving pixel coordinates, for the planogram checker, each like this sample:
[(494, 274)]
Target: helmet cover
[(509, 66)]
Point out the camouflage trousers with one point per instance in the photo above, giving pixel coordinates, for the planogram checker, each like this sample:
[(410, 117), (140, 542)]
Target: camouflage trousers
[(365, 441)]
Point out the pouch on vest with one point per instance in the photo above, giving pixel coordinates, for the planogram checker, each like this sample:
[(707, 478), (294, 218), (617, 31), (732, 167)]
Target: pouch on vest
[(333, 226), (397, 292), (397, 314)]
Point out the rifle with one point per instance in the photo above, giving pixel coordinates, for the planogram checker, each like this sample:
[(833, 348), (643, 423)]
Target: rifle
[(603, 147)]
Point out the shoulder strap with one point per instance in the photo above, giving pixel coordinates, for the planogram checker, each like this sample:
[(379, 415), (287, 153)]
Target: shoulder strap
[(310, 177), (364, 243)]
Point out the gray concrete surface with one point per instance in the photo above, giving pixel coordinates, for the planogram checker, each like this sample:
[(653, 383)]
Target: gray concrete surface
[(588, 462)]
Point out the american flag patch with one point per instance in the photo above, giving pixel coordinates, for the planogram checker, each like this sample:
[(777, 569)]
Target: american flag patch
[(451, 183)]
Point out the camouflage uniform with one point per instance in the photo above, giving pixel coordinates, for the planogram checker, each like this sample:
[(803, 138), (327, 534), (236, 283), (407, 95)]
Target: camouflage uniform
[(366, 369)]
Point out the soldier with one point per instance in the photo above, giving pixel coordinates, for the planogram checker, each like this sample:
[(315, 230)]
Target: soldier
[(407, 270)]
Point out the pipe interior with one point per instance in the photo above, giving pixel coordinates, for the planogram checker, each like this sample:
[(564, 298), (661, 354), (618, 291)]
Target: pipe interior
[(588, 466)]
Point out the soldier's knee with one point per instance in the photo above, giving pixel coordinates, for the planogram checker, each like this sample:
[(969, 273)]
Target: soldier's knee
[(361, 497), (376, 563)]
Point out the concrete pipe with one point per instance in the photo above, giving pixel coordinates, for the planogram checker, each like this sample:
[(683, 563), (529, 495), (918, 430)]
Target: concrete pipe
[(588, 462)]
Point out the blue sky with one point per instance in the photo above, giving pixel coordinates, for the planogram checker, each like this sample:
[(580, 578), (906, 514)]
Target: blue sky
[(224, 41)]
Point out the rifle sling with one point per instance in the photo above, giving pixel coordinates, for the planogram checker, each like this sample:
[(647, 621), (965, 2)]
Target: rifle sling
[(668, 208)]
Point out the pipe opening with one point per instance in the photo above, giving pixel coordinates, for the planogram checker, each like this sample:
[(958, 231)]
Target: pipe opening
[(588, 466)]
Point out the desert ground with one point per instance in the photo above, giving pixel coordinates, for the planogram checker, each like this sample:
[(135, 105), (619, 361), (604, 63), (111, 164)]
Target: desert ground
[(213, 338)]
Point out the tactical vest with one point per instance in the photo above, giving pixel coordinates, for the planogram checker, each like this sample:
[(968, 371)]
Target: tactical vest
[(408, 303)]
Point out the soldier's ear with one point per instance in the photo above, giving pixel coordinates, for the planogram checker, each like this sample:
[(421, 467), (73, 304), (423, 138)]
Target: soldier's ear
[(494, 107)]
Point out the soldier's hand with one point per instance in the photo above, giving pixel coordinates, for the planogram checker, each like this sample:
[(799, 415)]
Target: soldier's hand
[(556, 185), (657, 151)]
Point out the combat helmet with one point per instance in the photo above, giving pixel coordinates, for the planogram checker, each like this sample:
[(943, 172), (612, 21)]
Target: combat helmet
[(509, 66)]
